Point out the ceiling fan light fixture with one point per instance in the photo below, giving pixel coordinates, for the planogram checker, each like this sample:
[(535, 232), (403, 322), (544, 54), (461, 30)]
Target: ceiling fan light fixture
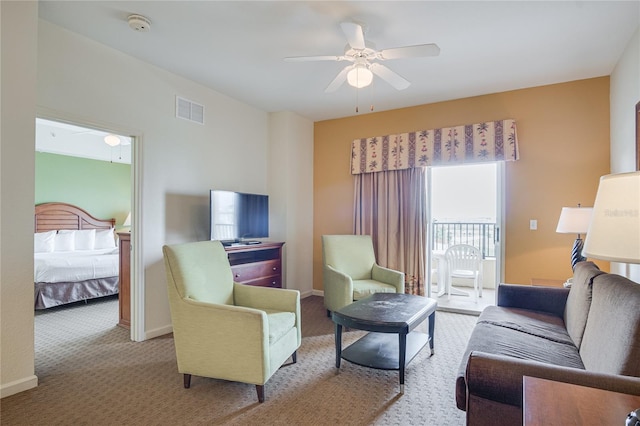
[(360, 76), (112, 140)]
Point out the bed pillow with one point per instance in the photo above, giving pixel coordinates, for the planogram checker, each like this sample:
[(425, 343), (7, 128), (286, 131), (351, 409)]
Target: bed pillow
[(65, 241), (85, 239), (105, 239), (43, 242)]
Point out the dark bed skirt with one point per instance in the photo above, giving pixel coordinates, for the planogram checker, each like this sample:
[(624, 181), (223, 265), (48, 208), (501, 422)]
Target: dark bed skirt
[(48, 295)]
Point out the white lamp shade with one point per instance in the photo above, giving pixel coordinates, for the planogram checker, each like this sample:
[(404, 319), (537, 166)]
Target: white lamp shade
[(127, 221), (359, 76), (574, 220), (614, 231)]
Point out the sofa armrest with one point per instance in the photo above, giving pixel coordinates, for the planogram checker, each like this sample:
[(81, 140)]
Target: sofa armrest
[(388, 276), (545, 299), (499, 378)]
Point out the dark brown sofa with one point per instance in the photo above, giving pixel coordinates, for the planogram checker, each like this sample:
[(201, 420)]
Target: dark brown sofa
[(587, 335)]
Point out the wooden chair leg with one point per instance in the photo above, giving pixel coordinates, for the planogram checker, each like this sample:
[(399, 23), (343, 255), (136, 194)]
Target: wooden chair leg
[(187, 381), (260, 390)]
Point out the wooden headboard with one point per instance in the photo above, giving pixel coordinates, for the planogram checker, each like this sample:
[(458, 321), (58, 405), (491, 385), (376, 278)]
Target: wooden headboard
[(53, 216)]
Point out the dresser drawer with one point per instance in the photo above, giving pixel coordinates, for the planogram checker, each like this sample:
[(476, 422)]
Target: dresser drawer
[(273, 281), (252, 271)]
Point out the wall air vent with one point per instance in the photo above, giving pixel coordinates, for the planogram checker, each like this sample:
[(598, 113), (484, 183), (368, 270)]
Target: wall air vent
[(189, 110)]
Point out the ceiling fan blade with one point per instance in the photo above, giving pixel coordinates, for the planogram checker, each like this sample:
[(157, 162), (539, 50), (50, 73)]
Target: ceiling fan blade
[(337, 82), (391, 77), (355, 35), (314, 58), (417, 51)]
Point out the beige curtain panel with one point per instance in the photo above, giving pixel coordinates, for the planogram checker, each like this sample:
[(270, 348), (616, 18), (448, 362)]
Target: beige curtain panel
[(391, 207), (472, 143)]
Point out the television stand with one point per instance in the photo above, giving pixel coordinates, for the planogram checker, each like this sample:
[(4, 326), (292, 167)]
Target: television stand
[(256, 264)]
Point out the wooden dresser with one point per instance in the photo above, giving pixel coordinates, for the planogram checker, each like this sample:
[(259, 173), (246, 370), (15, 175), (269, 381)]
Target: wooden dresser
[(125, 279), (257, 264)]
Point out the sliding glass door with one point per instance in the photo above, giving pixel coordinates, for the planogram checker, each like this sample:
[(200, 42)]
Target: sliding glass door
[(465, 207)]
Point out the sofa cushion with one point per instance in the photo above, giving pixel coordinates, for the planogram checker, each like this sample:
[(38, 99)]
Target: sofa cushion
[(611, 342), (502, 340), (579, 300), (535, 323)]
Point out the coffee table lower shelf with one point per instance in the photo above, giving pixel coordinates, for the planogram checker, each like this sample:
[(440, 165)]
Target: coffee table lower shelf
[(381, 350)]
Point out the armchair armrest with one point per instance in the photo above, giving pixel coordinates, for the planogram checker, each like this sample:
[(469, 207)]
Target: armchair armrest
[(388, 276), (338, 288), (546, 299), (276, 299), (499, 378)]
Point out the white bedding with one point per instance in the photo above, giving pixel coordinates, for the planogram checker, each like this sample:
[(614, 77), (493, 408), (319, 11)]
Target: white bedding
[(73, 266)]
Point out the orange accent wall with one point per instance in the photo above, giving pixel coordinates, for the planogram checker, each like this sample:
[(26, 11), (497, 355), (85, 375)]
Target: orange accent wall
[(563, 134)]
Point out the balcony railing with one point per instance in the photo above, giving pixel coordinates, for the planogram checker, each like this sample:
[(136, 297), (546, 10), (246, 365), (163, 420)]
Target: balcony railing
[(477, 234)]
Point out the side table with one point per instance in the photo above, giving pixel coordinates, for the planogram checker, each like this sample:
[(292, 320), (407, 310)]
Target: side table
[(551, 403)]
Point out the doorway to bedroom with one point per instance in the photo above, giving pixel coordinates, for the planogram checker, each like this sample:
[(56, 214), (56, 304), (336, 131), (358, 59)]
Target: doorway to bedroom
[(90, 169)]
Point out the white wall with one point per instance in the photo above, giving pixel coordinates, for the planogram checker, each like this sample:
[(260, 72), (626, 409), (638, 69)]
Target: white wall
[(624, 94), (181, 160), (291, 186), (18, 29), (178, 162)]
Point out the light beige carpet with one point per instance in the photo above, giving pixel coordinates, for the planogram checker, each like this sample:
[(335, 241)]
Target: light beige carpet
[(91, 374)]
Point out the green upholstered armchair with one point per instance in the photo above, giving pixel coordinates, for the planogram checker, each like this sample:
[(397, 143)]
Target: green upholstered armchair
[(350, 271), (226, 330)]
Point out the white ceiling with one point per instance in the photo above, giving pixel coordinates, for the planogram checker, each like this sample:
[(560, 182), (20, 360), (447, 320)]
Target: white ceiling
[(66, 139), (237, 47)]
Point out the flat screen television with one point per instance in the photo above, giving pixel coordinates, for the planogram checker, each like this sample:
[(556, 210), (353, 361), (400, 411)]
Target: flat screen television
[(237, 217)]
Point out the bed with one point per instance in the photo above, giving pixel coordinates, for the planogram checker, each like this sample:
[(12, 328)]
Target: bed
[(75, 256)]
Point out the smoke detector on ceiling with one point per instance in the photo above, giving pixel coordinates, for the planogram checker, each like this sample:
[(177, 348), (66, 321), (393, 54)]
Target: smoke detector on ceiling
[(139, 23)]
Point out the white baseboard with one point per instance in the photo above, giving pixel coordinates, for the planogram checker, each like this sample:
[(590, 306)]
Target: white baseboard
[(157, 332), (18, 386)]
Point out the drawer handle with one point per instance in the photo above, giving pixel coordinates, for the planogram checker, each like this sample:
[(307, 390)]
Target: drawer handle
[(237, 275), (273, 283), (275, 269)]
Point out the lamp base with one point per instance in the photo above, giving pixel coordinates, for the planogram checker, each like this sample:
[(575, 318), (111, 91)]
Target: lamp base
[(576, 252)]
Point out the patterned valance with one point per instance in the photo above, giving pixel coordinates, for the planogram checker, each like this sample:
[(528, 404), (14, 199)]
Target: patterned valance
[(472, 143)]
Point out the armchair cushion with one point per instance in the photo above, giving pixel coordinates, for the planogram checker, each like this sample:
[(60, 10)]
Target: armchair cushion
[(365, 288), (279, 324), (351, 254)]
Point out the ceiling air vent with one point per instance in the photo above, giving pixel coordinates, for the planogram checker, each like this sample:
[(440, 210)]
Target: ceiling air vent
[(189, 110)]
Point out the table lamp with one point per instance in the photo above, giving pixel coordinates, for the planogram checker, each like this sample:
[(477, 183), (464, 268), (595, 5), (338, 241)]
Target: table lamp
[(575, 220), (614, 230), (127, 221)]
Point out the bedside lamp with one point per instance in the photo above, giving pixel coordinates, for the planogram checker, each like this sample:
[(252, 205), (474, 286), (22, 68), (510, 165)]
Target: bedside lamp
[(614, 231), (127, 221), (575, 220)]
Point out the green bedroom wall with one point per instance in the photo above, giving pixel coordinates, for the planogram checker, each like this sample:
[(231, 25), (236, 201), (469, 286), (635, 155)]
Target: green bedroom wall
[(101, 188)]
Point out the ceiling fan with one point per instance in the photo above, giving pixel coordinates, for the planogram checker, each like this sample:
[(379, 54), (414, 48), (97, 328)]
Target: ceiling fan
[(365, 59)]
